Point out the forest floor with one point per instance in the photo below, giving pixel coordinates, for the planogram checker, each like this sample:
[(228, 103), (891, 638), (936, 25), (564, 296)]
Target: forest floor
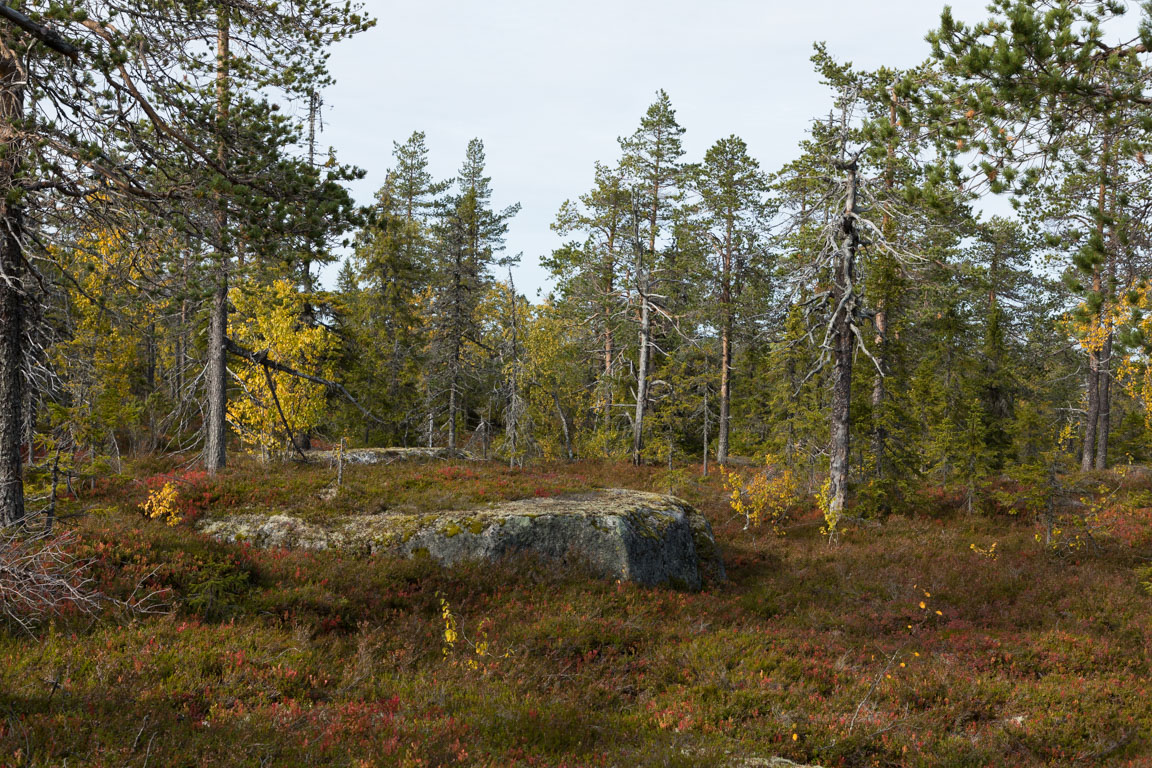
[(935, 639)]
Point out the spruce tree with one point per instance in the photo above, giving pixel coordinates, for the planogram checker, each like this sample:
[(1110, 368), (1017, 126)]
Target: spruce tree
[(469, 235), (393, 254)]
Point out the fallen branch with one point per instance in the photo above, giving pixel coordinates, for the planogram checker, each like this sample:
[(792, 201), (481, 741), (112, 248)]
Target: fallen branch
[(42, 33), (40, 578), (280, 410), (261, 358)]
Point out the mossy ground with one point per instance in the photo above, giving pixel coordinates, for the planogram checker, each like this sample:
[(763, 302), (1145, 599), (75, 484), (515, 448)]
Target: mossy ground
[(821, 654)]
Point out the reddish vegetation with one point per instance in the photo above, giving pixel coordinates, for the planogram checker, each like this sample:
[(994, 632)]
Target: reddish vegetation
[(900, 645)]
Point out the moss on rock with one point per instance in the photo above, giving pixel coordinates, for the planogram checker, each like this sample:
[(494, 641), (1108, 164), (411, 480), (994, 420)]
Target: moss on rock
[(644, 537)]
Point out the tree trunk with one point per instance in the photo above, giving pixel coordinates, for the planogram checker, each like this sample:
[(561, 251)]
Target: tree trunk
[(642, 377), (216, 376), (12, 298), (879, 434), (725, 355), (569, 455), (1093, 414), (842, 349), (843, 346), (1104, 418), (609, 339), (452, 416)]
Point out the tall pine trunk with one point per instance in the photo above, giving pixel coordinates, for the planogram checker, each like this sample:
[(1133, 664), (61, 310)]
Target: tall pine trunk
[(609, 337), (216, 430), (725, 394), (452, 416), (879, 433), (842, 350), (725, 353), (843, 347), (1105, 404), (216, 375), (12, 381), (12, 298), (642, 376), (1104, 420), (1092, 416)]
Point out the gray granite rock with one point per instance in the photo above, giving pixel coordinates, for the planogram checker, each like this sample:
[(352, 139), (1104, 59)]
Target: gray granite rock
[(648, 538), (386, 455)]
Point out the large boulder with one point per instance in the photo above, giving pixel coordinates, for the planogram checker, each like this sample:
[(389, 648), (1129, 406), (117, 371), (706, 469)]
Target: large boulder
[(385, 455), (647, 538)]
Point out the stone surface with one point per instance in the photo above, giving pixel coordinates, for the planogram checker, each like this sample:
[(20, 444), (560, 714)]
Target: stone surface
[(647, 538), (386, 455)]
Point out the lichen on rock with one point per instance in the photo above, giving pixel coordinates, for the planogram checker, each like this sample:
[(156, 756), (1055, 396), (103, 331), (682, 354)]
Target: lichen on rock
[(647, 538), (385, 455)]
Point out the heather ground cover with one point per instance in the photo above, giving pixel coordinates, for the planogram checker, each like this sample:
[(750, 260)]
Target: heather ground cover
[(931, 638)]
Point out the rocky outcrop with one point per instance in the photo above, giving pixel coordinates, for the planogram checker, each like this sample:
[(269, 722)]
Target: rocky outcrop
[(647, 538), (386, 455)]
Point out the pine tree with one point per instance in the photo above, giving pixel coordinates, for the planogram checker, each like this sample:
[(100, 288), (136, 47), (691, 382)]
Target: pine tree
[(1033, 85), (591, 273), (121, 138), (652, 169), (732, 191)]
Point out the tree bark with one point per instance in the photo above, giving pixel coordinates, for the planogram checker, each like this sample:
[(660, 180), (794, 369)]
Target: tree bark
[(216, 430), (1105, 404), (1104, 419), (642, 377), (568, 453), (843, 346), (842, 349), (12, 296), (879, 433), (216, 374), (725, 352), (452, 416)]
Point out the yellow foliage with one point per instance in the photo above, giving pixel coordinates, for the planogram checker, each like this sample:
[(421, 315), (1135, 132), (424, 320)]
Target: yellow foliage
[(100, 356), (989, 553), (161, 504), (824, 501), (766, 497), (1135, 373), (451, 634), (481, 649), (270, 319)]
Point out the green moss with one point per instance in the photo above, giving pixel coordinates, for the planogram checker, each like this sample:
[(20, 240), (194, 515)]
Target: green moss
[(452, 529)]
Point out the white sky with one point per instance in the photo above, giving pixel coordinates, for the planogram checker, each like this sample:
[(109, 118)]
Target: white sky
[(550, 84)]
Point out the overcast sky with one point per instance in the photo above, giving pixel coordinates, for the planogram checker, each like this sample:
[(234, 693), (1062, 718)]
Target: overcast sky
[(549, 85)]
